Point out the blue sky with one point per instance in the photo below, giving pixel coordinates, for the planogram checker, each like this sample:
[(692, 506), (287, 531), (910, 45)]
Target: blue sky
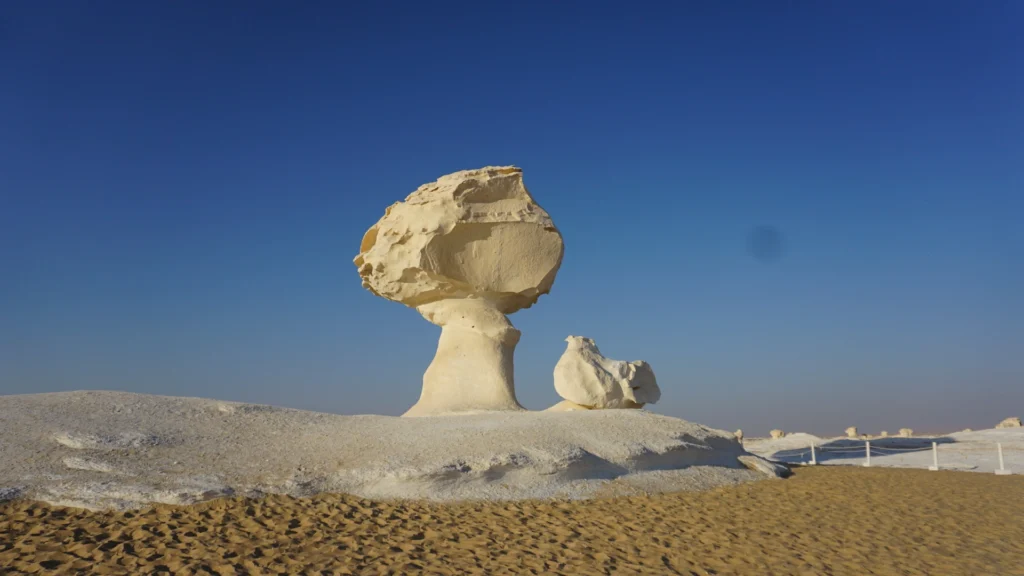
[(183, 187)]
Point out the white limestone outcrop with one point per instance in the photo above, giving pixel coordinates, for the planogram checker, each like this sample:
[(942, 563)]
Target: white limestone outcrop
[(196, 450), (851, 432), (776, 434), (765, 466), (465, 251), (589, 381), (1013, 422)]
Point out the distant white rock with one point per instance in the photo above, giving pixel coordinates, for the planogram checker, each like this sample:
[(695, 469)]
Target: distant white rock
[(588, 380), (776, 434), (851, 432), (966, 451), (1012, 422), (906, 432)]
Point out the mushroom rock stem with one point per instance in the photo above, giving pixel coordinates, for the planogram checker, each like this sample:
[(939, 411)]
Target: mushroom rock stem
[(472, 369)]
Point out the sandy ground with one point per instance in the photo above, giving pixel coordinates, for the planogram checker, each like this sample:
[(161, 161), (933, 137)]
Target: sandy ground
[(824, 520)]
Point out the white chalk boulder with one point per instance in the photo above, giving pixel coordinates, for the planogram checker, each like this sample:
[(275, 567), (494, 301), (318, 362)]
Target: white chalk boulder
[(765, 466), (587, 380), (1010, 423), (776, 434), (465, 251)]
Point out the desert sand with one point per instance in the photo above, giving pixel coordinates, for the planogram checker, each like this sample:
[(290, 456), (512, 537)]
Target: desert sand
[(822, 521)]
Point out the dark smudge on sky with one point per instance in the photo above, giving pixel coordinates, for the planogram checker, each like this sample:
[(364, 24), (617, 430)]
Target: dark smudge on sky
[(765, 244)]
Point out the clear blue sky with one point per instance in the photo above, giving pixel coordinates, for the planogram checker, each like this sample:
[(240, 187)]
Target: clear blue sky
[(183, 186)]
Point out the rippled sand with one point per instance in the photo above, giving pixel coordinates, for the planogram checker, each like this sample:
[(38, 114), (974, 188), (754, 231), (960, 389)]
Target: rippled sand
[(821, 521)]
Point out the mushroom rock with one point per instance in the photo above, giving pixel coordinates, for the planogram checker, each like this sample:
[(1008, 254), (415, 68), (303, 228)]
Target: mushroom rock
[(587, 379), (851, 432), (776, 434), (739, 435), (1012, 422), (464, 251), (884, 434), (906, 432)]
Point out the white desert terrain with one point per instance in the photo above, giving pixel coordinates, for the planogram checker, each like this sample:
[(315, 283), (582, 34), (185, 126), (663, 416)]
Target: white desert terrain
[(975, 451), (121, 450)]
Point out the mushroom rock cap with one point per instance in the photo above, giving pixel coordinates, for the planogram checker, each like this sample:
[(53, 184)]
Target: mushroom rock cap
[(584, 377), (470, 234)]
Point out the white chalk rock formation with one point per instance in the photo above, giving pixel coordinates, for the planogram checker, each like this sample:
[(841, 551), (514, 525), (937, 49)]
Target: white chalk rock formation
[(764, 466), (884, 434), (851, 432), (776, 434), (465, 251), (739, 435), (1010, 423), (196, 449), (906, 432), (588, 380)]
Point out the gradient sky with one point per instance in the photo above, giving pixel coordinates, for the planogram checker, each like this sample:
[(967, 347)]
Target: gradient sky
[(183, 186)]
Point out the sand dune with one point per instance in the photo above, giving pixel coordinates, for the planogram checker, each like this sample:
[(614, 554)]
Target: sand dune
[(823, 521)]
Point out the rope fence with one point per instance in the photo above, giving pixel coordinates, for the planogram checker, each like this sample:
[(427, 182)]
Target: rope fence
[(868, 450)]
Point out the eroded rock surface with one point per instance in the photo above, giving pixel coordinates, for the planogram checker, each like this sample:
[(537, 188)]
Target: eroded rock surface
[(472, 234), (588, 380), (1010, 423), (464, 251), (251, 450), (764, 466)]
